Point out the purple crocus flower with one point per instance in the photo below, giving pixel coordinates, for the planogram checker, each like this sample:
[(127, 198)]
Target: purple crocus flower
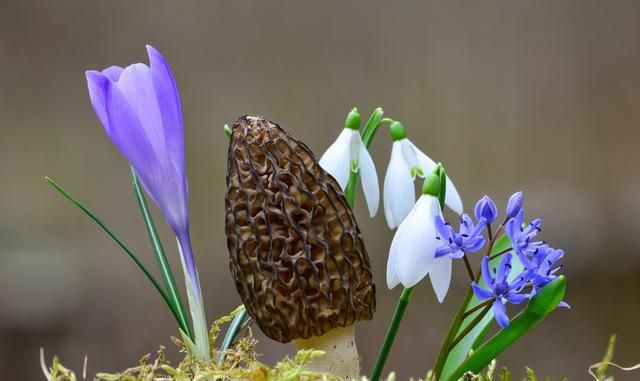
[(486, 208), (454, 244), (500, 289), (139, 108)]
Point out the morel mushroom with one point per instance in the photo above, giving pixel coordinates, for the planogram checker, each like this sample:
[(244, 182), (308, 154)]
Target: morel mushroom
[(296, 255)]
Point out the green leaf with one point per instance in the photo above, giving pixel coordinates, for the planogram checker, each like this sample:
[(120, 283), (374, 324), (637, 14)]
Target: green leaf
[(161, 258), (122, 245), (545, 301), (474, 338), (372, 126)]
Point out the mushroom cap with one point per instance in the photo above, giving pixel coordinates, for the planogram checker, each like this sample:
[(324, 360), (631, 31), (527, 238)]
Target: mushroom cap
[(296, 255)]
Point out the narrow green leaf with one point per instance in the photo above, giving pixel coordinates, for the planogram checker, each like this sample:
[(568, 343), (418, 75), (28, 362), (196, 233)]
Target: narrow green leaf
[(231, 334), (113, 235), (161, 258), (473, 339), (545, 301), (372, 126)]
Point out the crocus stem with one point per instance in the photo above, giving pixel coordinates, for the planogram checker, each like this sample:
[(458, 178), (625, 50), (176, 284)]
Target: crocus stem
[(405, 297), (196, 305), (470, 327)]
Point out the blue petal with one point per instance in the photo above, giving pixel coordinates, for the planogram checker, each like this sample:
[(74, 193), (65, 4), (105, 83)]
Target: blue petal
[(486, 274), (481, 293), (504, 269), (500, 313), (516, 298), (443, 229)]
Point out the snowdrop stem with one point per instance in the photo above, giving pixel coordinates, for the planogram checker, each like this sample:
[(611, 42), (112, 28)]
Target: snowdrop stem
[(350, 190), (403, 301)]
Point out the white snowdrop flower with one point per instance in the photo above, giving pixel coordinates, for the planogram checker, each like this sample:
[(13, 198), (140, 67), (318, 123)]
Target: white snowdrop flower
[(348, 154), (407, 162), (413, 250)]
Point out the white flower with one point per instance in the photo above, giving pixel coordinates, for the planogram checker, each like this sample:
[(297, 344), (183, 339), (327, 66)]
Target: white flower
[(407, 162), (413, 250), (348, 154)]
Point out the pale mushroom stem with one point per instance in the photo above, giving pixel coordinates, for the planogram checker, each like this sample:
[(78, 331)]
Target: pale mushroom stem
[(340, 353)]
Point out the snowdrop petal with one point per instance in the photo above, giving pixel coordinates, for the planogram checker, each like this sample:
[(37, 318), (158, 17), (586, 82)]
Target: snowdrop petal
[(414, 245), (392, 270), (452, 197), (369, 177), (399, 191), (440, 275), (336, 160)]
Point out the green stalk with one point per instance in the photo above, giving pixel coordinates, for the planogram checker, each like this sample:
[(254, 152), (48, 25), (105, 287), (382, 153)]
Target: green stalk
[(124, 247), (161, 258), (405, 297)]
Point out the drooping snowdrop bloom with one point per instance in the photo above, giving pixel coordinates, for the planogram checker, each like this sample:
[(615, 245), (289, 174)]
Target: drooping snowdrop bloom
[(139, 108), (347, 155), (413, 250), (408, 162)]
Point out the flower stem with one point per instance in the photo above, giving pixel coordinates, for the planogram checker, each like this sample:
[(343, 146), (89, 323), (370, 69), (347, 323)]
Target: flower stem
[(468, 266), (405, 297), (470, 327), (476, 308), (496, 255)]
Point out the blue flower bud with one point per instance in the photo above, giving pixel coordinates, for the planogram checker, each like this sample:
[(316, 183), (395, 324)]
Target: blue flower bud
[(514, 205), (486, 208)]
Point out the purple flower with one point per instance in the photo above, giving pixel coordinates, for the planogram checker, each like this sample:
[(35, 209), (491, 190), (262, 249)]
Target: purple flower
[(522, 238), (454, 244), (514, 205), (500, 289), (139, 108), (486, 208)]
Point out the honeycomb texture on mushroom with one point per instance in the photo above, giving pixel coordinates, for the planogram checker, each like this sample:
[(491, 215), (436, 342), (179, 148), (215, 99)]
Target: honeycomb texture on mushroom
[(296, 255)]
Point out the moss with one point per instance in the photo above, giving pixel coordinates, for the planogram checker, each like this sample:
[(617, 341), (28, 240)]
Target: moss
[(241, 363)]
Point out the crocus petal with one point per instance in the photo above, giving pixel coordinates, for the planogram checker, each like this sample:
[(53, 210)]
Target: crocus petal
[(169, 102), (481, 293), (98, 84), (452, 197), (136, 84), (414, 244), (399, 191), (500, 312), (337, 159), (370, 185), (113, 73), (440, 275)]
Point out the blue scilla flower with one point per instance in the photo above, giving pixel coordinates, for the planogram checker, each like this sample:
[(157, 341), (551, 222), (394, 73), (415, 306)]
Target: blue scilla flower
[(455, 244), (486, 208), (522, 238), (500, 289)]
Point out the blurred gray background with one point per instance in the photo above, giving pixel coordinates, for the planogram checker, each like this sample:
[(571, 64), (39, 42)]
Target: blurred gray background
[(539, 96)]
